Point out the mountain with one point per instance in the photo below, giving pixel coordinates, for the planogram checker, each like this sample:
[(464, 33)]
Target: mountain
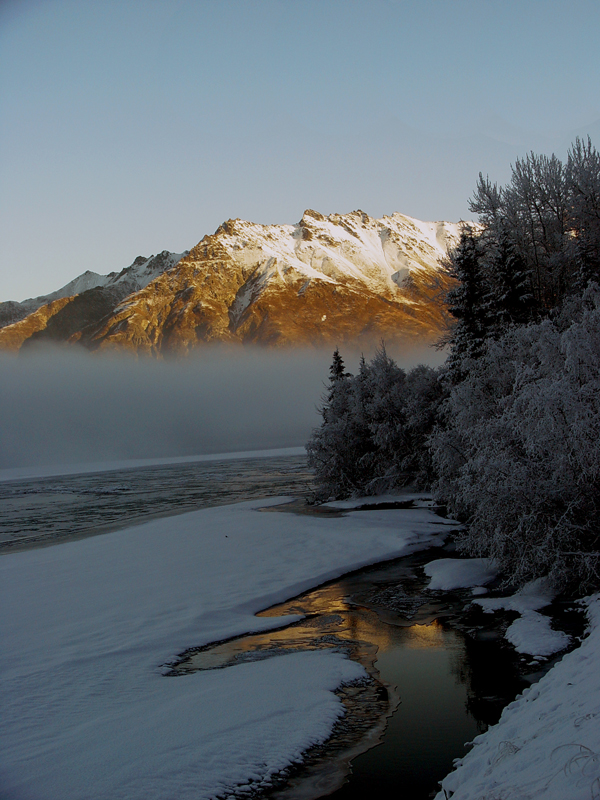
[(83, 302), (340, 279)]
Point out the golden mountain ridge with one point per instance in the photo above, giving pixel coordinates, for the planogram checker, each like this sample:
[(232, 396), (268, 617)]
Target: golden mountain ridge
[(344, 279)]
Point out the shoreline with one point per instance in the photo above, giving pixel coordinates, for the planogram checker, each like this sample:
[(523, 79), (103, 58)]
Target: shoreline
[(324, 768)]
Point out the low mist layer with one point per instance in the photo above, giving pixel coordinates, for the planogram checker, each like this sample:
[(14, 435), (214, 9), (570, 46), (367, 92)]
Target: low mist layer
[(60, 407)]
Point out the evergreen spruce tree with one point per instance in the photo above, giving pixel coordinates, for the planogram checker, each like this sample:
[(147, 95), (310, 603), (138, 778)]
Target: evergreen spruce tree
[(336, 400), (467, 304), (332, 447), (509, 298)]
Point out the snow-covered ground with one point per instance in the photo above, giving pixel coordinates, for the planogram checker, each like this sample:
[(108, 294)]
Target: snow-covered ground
[(89, 626), (547, 742)]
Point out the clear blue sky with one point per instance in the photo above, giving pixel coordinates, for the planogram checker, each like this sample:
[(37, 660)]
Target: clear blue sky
[(128, 127)]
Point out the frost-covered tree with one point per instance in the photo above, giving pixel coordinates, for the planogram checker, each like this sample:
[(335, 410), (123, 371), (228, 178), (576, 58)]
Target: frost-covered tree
[(519, 458), (425, 390), (337, 397), (341, 452), (546, 220), (538, 244), (330, 448), (381, 391), (374, 430), (509, 298), (583, 186), (533, 210)]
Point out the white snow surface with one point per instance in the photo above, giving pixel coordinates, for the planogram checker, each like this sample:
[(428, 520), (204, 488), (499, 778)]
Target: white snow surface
[(532, 634), (339, 248), (89, 626), (420, 499), (533, 596), (460, 573), (547, 742)]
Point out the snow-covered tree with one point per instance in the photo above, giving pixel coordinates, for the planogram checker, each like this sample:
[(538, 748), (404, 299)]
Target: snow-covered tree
[(374, 430), (545, 225), (425, 390), (583, 186), (330, 446), (509, 298), (519, 458), (337, 398)]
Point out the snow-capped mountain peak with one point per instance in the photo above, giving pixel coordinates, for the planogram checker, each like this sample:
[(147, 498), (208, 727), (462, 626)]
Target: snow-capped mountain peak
[(326, 279), (130, 279)]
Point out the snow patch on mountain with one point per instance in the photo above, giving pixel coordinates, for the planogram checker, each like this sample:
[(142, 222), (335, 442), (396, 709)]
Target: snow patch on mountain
[(130, 279), (378, 253)]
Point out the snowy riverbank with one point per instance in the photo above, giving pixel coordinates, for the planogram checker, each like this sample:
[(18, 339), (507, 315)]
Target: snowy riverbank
[(89, 626), (547, 742)]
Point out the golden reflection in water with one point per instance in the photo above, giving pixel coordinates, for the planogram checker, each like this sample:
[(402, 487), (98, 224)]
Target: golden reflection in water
[(327, 600), (360, 625), (421, 636), (326, 611), (365, 627)]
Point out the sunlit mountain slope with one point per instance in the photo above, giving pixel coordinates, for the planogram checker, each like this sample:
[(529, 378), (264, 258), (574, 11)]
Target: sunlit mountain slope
[(341, 279)]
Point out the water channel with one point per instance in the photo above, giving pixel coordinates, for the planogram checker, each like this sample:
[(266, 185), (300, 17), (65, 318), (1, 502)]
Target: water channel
[(440, 674)]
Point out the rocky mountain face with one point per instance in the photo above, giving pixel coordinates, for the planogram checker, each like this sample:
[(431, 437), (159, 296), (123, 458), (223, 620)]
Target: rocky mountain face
[(341, 279), (83, 302)]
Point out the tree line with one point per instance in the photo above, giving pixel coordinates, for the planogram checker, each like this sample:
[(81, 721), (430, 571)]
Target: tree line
[(506, 432)]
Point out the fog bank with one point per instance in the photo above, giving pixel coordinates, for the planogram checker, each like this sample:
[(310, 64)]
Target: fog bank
[(65, 407)]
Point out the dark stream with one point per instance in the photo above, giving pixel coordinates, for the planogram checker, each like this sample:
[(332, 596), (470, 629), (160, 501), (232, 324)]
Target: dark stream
[(441, 685)]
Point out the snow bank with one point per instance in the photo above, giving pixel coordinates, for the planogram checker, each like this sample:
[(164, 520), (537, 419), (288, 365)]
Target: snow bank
[(531, 597), (547, 742), (531, 633), (89, 625), (459, 573), (417, 498)]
